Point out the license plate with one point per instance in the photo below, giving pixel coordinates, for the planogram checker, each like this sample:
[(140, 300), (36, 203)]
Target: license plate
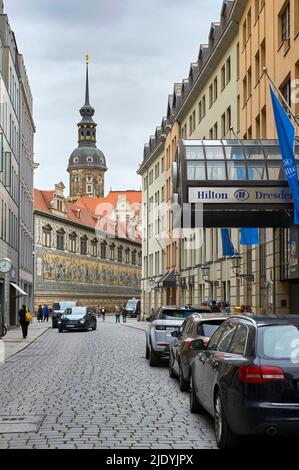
[(70, 326)]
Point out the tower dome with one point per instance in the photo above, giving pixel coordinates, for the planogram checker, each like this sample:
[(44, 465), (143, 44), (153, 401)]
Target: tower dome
[(87, 163)]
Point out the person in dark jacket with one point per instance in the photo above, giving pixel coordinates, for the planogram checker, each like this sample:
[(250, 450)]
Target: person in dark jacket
[(40, 316), (24, 324)]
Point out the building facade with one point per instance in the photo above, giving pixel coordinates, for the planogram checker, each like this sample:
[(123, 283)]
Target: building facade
[(226, 96), (206, 105), (16, 174), (269, 38), (79, 258)]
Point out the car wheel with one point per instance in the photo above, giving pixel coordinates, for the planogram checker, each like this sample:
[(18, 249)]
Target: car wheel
[(60, 330), (147, 353), (184, 384), (225, 438), (195, 407), (170, 369), (153, 358)]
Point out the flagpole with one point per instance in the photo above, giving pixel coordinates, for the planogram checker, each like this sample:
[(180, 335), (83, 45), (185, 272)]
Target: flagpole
[(265, 70)]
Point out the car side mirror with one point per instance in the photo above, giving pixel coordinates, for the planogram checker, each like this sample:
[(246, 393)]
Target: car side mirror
[(198, 345), (149, 319), (175, 334)]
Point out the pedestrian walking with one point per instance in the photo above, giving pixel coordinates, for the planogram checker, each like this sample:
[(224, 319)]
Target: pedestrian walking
[(98, 311), (40, 314), (25, 318), (103, 311), (124, 314), (117, 314), (46, 313)]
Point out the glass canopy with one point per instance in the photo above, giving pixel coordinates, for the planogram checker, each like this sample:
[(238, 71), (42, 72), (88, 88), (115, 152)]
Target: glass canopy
[(234, 160)]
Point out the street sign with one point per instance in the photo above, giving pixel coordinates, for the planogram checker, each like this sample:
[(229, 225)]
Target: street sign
[(237, 195)]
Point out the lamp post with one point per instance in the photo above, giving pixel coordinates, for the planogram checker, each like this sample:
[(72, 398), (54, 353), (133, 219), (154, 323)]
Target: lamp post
[(205, 269), (236, 261)]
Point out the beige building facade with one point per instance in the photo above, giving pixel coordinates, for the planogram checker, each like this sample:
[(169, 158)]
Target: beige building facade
[(226, 96)]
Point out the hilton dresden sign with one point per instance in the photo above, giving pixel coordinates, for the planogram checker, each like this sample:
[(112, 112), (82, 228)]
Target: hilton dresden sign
[(239, 196)]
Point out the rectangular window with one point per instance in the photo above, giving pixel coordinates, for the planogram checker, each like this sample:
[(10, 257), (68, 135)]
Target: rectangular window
[(223, 78), (238, 61), (257, 9), (286, 92), (296, 16), (244, 91), (244, 34), (249, 24), (83, 246), (228, 119), (285, 23), (215, 131), (60, 241), (249, 93), (204, 106), (223, 125), (215, 89), (211, 95), (257, 68), (228, 70)]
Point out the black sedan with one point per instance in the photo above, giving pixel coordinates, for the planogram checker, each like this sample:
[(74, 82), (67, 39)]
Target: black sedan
[(195, 330), (247, 378), (77, 318)]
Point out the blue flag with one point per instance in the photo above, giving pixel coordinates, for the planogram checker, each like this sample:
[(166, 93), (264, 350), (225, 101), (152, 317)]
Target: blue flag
[(286, 136), (249, 236), (227, 245)]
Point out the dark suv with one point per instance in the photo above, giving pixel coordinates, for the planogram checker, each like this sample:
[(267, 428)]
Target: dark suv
[(196, 329), (77, 318), (248, 378)]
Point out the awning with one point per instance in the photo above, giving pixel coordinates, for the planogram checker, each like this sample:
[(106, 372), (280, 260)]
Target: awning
[(19, 289), (168, 281)]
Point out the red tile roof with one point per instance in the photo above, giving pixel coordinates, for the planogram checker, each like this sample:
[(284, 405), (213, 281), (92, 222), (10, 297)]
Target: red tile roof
[(94, 212)]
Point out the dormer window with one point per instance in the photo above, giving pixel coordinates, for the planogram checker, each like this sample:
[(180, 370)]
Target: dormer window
[(89, 160), (76, 160)]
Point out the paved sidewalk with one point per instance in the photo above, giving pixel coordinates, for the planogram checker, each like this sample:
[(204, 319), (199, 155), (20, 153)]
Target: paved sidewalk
[(131, 323), (13, 342)]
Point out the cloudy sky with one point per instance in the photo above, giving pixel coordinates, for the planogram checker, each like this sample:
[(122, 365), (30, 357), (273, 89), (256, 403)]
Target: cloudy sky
[(138, 49)]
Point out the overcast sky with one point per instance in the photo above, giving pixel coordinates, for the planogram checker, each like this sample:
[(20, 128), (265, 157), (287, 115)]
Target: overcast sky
[(138, 49)]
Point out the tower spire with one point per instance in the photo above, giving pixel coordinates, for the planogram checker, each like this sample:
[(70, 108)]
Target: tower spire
[(87, 81)]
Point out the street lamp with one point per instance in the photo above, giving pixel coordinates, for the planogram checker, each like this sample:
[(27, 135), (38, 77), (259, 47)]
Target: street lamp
[(237, 265), (205, 269)]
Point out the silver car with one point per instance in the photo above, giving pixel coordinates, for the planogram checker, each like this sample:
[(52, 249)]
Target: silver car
[(162, 324)]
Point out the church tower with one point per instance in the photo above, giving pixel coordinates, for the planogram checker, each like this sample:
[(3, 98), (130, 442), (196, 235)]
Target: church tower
[(87, 164)]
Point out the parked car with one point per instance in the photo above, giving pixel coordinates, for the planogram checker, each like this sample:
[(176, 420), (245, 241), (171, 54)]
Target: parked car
[(162, 324), (77, 318), (133, 308), (247, 378), (188, 339), (58, 309)]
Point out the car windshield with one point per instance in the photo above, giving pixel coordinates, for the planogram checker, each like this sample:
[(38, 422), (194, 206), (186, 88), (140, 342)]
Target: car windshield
[(56, 306), (169, 314), (131, 304), (75, 311), (208, 329), (278, 341)]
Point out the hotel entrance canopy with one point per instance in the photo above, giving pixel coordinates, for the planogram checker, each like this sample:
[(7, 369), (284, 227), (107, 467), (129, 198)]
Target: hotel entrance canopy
[(236, 183)]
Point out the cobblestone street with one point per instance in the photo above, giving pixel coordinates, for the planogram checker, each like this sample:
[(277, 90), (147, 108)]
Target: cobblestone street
[(95, 390)]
